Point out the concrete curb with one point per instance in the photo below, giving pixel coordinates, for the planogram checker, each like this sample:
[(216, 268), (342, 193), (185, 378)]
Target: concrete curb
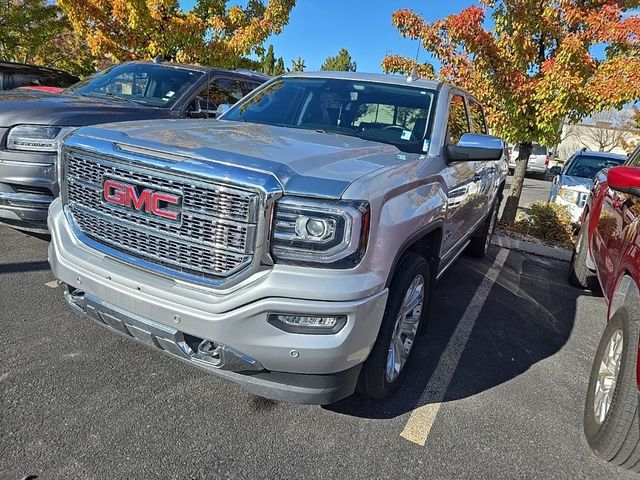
[(556, 253)]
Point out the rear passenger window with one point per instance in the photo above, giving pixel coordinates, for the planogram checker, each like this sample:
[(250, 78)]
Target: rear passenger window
[(458, 124), (477, 118)]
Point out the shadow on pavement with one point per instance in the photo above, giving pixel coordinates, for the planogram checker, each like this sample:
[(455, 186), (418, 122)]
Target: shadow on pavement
[(527, 317), (23, 267)]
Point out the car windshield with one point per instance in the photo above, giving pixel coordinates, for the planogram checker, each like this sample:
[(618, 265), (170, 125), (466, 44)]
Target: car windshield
[(154, 85), (380, 112), (586, 166)]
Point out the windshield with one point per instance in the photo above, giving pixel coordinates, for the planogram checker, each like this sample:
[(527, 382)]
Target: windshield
[(587, 167), (146, 84), (392, 114)]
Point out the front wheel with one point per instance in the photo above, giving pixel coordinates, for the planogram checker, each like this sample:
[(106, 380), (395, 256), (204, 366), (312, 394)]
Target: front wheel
[(610, 412), (384, 370), (579, 273)]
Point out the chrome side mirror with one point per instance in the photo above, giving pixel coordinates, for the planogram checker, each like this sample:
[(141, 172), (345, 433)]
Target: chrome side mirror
[(476, 147)]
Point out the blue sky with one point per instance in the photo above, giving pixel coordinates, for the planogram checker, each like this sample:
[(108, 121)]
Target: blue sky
[(319, 28)]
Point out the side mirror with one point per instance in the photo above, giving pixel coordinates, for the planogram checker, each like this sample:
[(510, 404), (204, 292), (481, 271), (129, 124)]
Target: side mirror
[(476, 147), (222, 109), (624, 179), (555, 170)]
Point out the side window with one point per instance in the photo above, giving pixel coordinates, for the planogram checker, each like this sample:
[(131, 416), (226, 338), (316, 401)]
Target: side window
[(634, 158), (249, 86), (478, 122), (458, 123), (221, 90)]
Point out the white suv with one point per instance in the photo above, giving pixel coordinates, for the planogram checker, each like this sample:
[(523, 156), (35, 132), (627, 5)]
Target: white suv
[(538, 160)]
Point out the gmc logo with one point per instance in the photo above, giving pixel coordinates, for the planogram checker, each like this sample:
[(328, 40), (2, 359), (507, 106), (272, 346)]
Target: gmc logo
[(130, 196)]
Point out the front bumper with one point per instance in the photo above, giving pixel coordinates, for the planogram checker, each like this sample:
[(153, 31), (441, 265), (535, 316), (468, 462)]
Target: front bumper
[(28, 185), (574, 210), (302, 368)]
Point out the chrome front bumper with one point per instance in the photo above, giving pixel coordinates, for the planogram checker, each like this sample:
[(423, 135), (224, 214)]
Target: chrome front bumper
[(221, 360)]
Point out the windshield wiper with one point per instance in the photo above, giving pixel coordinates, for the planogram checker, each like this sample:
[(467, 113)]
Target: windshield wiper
[(114, 96)]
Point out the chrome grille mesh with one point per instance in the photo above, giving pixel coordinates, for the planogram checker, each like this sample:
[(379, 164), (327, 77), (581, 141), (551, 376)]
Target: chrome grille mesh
[(215, 236)]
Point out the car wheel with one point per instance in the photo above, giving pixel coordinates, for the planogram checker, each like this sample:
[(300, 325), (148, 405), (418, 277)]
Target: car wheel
[(610, 412), (382, 373), (579, 273), (480, 242)]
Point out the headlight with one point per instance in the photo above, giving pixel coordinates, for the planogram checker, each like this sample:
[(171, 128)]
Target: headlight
[(315, 232), (36, 138), (569, 195)]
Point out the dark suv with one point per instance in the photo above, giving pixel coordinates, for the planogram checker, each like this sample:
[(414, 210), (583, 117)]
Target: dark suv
[(32, 123), (15, 75)]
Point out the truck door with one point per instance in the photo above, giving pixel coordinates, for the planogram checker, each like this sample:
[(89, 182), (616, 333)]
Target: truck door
[(463, 184), (486, 172), (618, 212)]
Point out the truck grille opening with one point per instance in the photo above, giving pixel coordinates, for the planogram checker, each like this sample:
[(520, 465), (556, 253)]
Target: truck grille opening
[(213, 236)]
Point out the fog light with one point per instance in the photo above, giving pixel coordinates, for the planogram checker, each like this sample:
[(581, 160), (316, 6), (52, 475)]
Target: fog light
[(314, 324)]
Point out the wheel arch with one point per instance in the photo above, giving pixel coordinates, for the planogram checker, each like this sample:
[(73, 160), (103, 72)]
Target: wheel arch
[(626, 293), (427, 243)]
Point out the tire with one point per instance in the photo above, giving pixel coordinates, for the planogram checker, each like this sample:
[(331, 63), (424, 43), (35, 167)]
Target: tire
[(579, 273), (377, 379), (614, 434), (479, 244)]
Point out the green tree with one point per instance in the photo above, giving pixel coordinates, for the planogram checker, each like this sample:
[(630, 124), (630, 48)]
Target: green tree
[(298, 65), (214, 32), (268, 61), (38, 32), (342, 62), (536, 66), (279, 68)]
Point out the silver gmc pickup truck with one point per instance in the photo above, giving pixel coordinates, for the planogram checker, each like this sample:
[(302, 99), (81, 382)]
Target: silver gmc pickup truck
[(290, 246)]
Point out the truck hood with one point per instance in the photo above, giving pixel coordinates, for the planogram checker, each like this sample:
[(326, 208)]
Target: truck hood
[(305, 162), (69, 109), (576, 183)]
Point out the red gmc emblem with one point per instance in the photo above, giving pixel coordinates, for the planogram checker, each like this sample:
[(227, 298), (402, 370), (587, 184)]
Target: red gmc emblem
[(142, 200)]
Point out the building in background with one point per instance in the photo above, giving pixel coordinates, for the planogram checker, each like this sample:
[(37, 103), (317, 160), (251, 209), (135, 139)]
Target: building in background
[(611, 132)]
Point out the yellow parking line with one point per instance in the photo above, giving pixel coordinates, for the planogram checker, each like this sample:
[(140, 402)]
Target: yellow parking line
[(422, 418)]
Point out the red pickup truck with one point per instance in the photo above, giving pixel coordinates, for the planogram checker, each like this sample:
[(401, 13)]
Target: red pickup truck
[(607, 257)]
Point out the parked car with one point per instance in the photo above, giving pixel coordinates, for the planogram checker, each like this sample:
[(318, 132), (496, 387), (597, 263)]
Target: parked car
[(572, 186), (32, 123), (538, 160), (14, 75), (606, 258), (290, 247)]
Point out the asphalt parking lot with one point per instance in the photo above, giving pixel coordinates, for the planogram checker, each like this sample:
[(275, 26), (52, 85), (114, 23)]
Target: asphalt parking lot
[(533, 190), (495, 390)]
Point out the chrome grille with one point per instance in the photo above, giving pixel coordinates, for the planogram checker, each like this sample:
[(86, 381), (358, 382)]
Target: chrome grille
[(214, 237)]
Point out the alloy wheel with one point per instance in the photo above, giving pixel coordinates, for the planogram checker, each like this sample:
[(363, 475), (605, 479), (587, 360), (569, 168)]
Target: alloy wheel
[(608, 376), (406, 328)]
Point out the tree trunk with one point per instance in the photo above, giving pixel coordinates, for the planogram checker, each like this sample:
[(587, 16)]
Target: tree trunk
[(513, 199)]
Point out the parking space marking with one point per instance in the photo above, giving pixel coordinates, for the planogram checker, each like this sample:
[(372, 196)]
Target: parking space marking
[(422, 418)]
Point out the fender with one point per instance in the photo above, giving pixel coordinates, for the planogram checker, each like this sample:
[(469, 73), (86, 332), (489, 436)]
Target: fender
[(434, 262)]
